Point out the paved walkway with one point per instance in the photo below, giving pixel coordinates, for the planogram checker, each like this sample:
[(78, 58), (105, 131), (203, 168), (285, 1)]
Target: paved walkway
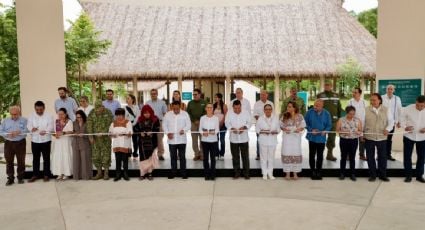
[(223, 204)]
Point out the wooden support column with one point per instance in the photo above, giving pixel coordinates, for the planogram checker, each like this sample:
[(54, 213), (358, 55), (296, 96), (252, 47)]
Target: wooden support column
[(228, 90), (93, 92), (322, 83), (362, 86), (168, 91), (180, 84), (135, 90), (264, 83), (276, 94)]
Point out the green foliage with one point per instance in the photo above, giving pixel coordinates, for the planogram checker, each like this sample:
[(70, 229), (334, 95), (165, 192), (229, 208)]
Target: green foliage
[(82, 46), (349, 76), (369, 19), (9, 70)]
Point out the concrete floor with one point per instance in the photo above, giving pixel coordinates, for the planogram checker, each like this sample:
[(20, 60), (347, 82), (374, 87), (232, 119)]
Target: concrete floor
[(223, 204)]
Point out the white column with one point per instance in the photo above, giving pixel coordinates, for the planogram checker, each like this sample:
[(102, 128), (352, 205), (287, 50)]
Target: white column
[(227, 91), (41, 51), (276, 94)]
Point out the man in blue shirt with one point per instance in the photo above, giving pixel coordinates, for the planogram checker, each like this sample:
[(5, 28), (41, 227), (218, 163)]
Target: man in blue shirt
[(110, 103), (14, 130), (64, 101), (318, 122)]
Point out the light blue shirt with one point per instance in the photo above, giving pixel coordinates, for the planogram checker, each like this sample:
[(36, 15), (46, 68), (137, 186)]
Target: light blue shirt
[(159, 107), (112, 105), (69, 104), (10, 125)]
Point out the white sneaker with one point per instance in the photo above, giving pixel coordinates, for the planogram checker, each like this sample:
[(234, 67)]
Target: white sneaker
[(271, 177), (265, 177)]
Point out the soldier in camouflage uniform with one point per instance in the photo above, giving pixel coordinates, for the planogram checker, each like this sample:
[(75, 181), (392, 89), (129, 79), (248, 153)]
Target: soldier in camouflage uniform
[(333, 105), (294, 98), (99, 121)]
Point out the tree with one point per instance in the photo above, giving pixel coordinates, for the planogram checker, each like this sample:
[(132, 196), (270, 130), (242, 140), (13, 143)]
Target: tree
[(349, 76), (82, 47), (9, 69), (369, 19)]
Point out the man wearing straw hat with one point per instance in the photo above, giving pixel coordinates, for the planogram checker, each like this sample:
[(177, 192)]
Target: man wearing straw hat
[(99, 121), (333, 105)]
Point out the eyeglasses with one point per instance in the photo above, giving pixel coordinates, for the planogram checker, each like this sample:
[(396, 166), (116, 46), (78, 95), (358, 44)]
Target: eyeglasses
[(195, 94)]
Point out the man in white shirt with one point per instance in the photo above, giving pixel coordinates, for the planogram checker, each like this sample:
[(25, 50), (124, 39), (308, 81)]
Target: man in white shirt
[(246, 105), (160, 108), (360, 105), (259, 111), (40, 124), (238, 122), (413, 122), (175, 125), (393, 103)]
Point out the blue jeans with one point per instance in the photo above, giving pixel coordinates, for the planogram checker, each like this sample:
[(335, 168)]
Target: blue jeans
[(221, 135), (407, 157)]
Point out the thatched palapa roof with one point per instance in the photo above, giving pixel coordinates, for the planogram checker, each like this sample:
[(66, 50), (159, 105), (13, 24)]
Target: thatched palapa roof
[(289, 38)]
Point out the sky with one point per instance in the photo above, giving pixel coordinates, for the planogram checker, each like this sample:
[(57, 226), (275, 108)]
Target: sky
[(72, 8)]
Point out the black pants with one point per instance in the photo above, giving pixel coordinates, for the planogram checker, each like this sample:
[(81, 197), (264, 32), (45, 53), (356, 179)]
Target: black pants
[(180, 150), (361, 148), (348, 148), (210, 151), (407, 157), (38, 150), (380, 146), (316, 149), (389, 143), (121, 160), (12, 149), (240, 150), (135, 139)]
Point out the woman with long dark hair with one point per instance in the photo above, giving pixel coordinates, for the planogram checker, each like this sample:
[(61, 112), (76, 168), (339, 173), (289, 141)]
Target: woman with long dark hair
[(177, 97), (82, 163), (132, 112), (62, 150), (146, 125), (220, 111)]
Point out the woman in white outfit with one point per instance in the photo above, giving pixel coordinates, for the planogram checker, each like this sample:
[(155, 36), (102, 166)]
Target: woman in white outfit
[(267, 128), (292, 125), (62, 150)]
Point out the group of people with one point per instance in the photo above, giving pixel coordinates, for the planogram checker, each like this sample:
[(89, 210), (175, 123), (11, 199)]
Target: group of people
[(86, 135)]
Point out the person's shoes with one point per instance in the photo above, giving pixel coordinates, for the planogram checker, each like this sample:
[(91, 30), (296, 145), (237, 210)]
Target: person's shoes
[(46, 179), (10, 182), (212, 178), (408, 179), (246, 177), (197, 158), (142, 177), (372, 179), (21, 181), (99, 175), (235, 177), (353, 177), (390, 158), (264, 177), (135, 155), (271, 177), (420, 179), (363, 158), (257, 158), (106, 174), (117, 176), (184, 177), (313, 175), (150, 177), (161, 158), (33, 179), (171, 176), (384, 178), (318, 175), (207, 178), (341, 177), (126, 176)]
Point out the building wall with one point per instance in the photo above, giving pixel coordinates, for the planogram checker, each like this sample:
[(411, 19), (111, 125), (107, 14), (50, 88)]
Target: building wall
[(401, 43)]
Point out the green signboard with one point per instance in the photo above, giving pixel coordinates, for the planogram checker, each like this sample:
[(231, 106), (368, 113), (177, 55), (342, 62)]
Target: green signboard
[(407, 89), (187, 96)]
